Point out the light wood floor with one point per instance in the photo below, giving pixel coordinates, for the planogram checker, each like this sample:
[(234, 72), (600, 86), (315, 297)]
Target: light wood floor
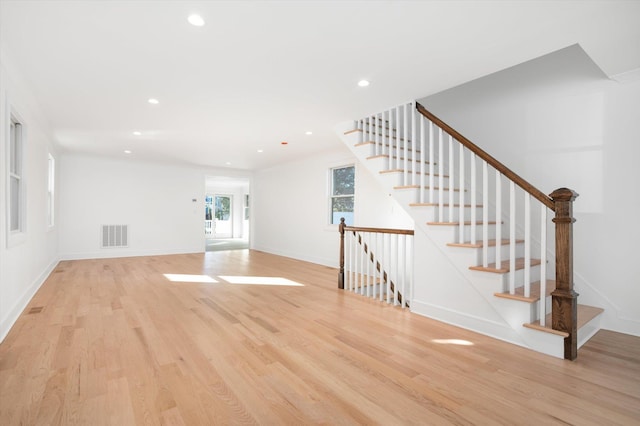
[(113, 341)]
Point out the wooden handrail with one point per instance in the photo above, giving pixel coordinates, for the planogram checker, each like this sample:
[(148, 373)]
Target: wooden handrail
[(547, 201), (379, 230)]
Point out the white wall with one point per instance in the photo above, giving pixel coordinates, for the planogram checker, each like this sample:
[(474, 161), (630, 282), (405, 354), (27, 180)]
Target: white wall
[(290, 208), (155, 200), (557, 121), (25, 265)]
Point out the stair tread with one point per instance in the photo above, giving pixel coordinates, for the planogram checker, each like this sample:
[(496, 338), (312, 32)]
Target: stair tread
[(585, 314), (373, 157), (416, 172), (468, 222), (387, 145), (436, 205), (480, 243), (504, 266), (348, 132), (425, 187), (534, 292)]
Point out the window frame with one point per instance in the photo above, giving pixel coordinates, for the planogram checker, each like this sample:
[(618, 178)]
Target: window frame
[(16, 171), (331, 196)]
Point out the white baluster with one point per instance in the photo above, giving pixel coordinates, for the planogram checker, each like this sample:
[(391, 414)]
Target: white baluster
[(527, 245), (452, 173), (414, 148), (431, 161), (498, 220), (473, 198), (423, 160), (376, 146), (387, 127), (375, 247), (440, 178), (461, 196), (367, 132), (367, 253), (348, 260), (390, 148), (403, 257), (543, 264), (396, 262), (485, 214), (362, 265), (389, 245), (398, 134), (512, 237), (405, 132), (410, 263)]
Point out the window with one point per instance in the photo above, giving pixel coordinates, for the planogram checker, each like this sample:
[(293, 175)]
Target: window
[(16, 178), (246, 206), (342, 194), (51, 191)]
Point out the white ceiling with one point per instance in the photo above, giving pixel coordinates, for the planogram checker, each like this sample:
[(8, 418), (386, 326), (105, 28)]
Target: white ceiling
[(262, 72)]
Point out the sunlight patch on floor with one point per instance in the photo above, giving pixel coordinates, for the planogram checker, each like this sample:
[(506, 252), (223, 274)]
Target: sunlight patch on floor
[(260, 280), (188, 278), (459, 342)]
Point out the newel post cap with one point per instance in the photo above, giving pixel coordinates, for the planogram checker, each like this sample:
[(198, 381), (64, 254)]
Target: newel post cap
[(341, 225), (563, 194)]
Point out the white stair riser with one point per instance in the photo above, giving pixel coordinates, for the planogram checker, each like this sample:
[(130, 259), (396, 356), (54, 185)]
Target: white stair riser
[(374, 148), (397, 178), (475, 255), (412, 195), (431, 214), (449, 233)]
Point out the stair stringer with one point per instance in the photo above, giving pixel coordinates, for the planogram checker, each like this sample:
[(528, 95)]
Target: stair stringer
[(445, 289)]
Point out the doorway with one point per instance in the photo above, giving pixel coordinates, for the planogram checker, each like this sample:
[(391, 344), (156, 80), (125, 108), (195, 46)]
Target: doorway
[(226, 224)]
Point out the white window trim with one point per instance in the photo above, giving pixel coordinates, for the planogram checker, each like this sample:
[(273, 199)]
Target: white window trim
[(16, 237), (339, 165)]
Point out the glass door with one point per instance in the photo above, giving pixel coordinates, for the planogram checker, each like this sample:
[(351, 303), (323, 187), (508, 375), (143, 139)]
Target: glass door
[(222, 212)]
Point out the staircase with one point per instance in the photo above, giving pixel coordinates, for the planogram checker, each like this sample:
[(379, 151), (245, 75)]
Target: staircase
[(482, 260)]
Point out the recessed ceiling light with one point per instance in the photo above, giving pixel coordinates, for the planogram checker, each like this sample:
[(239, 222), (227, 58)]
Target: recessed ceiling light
[(228, 163), (126, 151), (136, 133), (309, 132), (153, 101), (261, 150), (195, 20), (363, 83)]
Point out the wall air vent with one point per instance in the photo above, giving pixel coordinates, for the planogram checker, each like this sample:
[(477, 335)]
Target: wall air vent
[(115, 236)]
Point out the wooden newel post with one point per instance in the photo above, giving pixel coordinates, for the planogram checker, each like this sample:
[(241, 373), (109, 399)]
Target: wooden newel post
[(341, 273), (564, 300)]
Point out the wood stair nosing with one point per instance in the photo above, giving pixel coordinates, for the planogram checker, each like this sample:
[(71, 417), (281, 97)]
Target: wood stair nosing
[(373, 157), (534, 295), (585, 314), (467, 222), (444, 205), (426, 187), (504, 266), (480, 243), (404, 148), (417, 172)]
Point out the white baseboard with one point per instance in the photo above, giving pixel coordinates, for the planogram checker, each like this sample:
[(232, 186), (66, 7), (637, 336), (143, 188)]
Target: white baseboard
[(10, 319), (500, 331), (109, 253)]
